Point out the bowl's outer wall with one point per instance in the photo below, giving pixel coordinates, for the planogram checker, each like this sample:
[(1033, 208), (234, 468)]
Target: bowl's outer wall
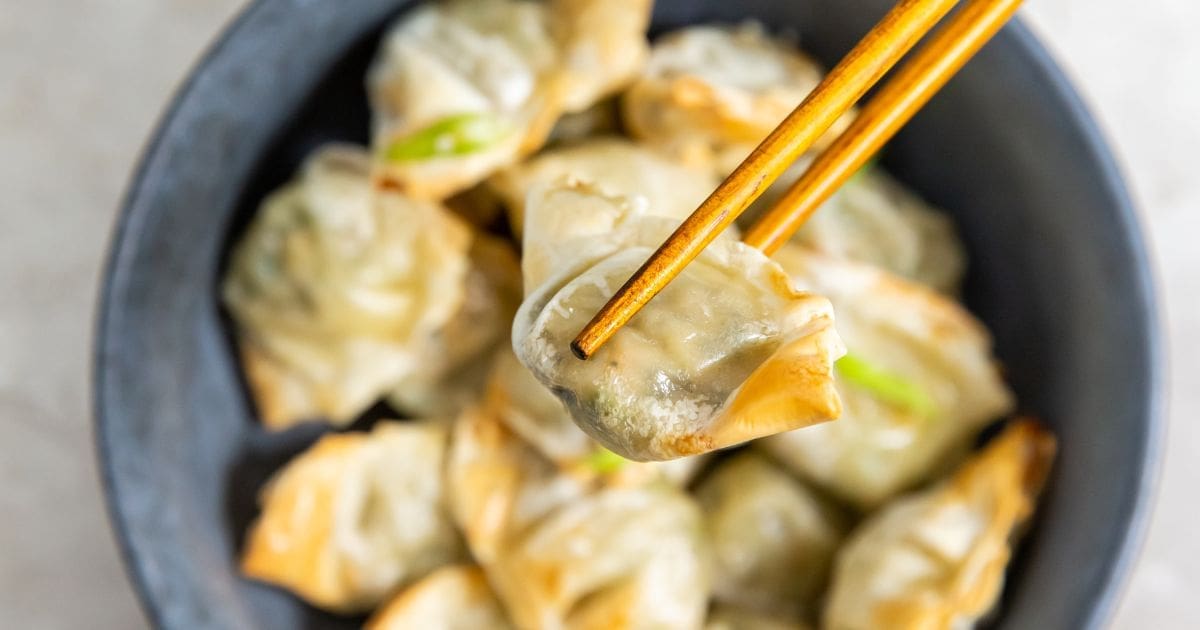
[(1057, 271)]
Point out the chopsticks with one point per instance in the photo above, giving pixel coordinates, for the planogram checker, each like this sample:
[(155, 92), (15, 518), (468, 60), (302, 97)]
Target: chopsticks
[(890, 109), (842, 87), (873, 56)]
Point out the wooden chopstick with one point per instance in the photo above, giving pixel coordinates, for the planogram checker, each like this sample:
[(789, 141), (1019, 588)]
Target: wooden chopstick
[(888, 110), (845, 84)]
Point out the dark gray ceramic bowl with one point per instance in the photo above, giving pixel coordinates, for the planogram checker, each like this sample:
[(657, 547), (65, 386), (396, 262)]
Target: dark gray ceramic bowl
[(1058, 271)]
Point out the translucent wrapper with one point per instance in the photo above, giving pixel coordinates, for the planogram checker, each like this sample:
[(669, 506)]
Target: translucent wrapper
[(880, 447), (773, 539), (462, 88), (937, 559), (356, 516), (451, 598), (336, 288), (710, 94), (728, 352)]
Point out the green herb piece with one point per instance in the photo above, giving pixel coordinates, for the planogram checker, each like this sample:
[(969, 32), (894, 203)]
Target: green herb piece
[(458, 134), (604, 461), (889, 387)]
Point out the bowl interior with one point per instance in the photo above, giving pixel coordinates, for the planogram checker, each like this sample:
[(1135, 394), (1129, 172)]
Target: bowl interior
[(1057, 271)]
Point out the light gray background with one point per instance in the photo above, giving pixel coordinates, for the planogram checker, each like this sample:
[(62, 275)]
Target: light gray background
[(82, 83)]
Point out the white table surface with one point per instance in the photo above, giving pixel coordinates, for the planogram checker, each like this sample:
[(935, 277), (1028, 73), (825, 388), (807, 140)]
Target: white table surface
[(81, 84)]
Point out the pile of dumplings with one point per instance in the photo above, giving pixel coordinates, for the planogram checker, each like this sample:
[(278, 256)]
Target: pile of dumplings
[(773, 443)]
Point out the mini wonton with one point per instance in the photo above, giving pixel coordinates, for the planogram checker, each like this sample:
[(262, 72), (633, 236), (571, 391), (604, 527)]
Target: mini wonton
[(625, 559), (773, 539), (615, 166), (459, 355), (918, 383), (937, 559), (875, 219), (728, 352), (451, 598), (464, 87), (336, 287), (354, 517), (710, 94)]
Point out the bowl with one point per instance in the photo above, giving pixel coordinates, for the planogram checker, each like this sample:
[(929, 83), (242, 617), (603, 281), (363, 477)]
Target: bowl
[(1058, 271)]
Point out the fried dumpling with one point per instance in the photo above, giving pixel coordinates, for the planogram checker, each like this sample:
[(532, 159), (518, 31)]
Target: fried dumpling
[(728, 352), (615, 166), (918, 383), (451, 598), (458, 356), (356, 516), (622, 558), (464, 87), (499, 485), (937, 559), (335, 288), (602, 46), (773, 539), (875, 219), (534, 413), (710, 94)]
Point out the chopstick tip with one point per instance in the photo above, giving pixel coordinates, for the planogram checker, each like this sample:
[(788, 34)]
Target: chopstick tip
[(577, 349)]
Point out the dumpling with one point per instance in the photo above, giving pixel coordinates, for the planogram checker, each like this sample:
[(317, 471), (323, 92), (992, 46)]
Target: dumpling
[(615, 166), (464, 87), (602, 46), (710, 94), (458, 356), (937, 559), (918, 383), (335, 288), (773, 539), (623, 558), (875, 219), (460, 89), (726, 618), (451, 598), (356, 516), (728, 352), (498, 485), (532, 412)]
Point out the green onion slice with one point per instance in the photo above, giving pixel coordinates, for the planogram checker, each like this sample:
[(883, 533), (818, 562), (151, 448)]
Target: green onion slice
[(603, 461), (457, 134), (889, 387)]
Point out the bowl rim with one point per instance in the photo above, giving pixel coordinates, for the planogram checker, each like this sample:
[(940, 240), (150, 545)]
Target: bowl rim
[(1118, 567)]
